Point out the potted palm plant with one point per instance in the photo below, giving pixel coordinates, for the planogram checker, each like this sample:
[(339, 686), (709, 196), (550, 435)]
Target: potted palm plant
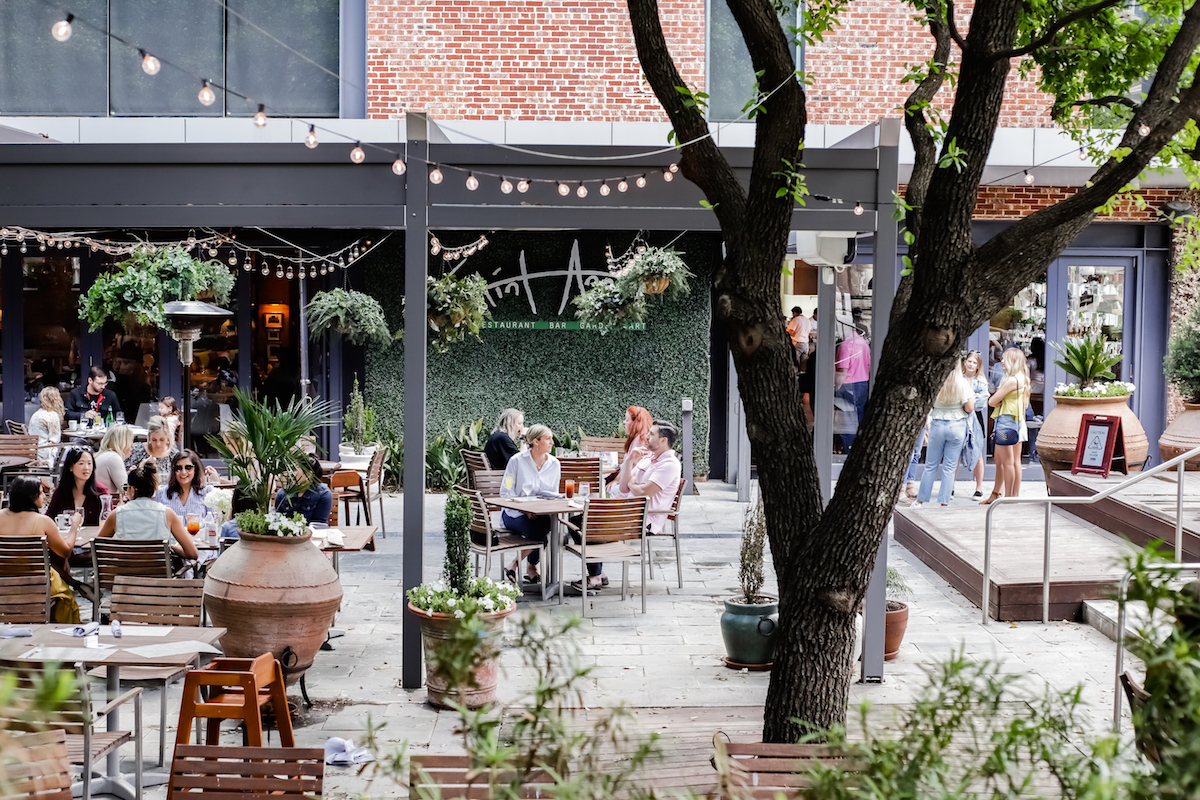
[(1182, 369), (272, 590), (355, 315), (457, 603), (360, 439), (750, 619), (1090, 359)]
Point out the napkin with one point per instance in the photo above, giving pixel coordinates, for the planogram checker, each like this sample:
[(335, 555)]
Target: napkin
[(343, 753), (335, 538), (86, 630), (13, 632)]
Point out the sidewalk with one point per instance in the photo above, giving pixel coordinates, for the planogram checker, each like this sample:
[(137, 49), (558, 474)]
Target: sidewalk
[(669, 658)]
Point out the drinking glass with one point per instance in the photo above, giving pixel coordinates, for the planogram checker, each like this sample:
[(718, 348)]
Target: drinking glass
[(570, 489), (193, 524), (120, 417), (585, 491)]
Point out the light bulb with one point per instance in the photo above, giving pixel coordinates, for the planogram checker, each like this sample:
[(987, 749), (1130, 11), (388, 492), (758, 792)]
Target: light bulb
[(313, 271), (290, 274), (266, 270), (523, 186), (604, 190), (260, 118), (482, 242), (324, 269), (667, 176), (1082, 155), (674, 167), (1028, 177), (582, 191), (3, 249), (24, 249), (207, 96), (506, 186), (279, 271), (150, 64), (249, 265), (61, 30), (42, 247), (398, 167), (435, 248), (357, 155), (641, 182), (858, 209), (1143, 130), (563, 189), (435, 176), (310, 141), (472, 182), (623, 186), (212, 253), (232, 260)]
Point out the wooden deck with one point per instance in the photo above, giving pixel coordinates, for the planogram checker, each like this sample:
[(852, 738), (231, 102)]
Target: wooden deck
[(1142, 513), (1085, 561)]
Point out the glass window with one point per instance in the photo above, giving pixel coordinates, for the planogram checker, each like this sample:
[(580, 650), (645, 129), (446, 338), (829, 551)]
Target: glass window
[(51, 288), (852, 352), (1096, 304), (1021, 324), (39, 75), (730, 73)]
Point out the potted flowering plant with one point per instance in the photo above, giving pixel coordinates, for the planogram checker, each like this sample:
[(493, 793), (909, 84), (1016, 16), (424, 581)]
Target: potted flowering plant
[(220, 501), (461, 602)]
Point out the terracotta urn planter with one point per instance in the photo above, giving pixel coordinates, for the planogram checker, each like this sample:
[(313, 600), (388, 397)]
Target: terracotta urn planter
[(1182, 435), (437, 627), (1056, 441), (655, 284), (273, 592), (895, 623)]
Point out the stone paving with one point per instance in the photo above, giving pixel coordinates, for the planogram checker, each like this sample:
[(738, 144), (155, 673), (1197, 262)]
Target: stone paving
[(669, 657)]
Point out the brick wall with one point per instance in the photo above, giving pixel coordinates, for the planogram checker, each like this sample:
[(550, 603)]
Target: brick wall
[(1014, 202)]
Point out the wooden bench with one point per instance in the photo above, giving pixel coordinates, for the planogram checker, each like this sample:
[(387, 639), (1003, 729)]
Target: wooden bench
[(234, 771), (452, 777), (36, 767), (762, 770)]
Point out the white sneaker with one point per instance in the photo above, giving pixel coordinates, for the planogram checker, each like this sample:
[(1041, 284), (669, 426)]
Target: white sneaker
[(916, 504)]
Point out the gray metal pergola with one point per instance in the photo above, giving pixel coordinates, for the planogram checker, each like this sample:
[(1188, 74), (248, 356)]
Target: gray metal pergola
[(77, 186)]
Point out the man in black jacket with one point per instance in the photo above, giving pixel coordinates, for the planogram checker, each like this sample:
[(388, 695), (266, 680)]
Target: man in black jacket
[(87, 403)]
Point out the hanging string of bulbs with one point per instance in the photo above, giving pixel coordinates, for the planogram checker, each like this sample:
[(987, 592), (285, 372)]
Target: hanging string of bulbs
[(456, 253)]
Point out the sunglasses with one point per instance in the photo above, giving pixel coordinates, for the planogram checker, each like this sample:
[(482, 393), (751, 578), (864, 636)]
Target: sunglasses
[(185, 467), (81, 448)]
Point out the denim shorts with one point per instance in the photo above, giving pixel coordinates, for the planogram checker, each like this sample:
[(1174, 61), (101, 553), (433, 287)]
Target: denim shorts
[(1007, 431)]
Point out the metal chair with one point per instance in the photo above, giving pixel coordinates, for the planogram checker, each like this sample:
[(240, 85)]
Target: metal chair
[(670, 530), (610, 529)]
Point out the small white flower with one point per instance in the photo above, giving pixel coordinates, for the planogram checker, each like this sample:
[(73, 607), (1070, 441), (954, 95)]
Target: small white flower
[(452, 602), (459, 614)]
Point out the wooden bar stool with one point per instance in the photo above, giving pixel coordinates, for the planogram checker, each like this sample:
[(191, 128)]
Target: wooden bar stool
[(235, 688)]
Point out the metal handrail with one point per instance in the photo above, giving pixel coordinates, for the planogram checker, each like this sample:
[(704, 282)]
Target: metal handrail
[(1178, 462), (1122, 589)]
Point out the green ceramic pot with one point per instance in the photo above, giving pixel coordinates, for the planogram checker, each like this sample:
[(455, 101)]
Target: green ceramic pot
[(749, 630)]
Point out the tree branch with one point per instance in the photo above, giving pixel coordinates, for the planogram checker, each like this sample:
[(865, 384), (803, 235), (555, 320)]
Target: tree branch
[(953, 26), (1111, 100), (925, 160), (1055, 27)]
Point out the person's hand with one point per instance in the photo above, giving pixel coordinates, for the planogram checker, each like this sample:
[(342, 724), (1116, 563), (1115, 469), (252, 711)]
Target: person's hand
[(76, 520), (90, 414), (636, 454), (211, 473)]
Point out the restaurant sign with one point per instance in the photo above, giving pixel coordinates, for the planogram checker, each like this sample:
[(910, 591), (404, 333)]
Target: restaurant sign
[(530, 325)]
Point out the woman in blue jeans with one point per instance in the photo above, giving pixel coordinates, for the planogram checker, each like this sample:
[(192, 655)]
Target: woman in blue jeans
[(947, 432)]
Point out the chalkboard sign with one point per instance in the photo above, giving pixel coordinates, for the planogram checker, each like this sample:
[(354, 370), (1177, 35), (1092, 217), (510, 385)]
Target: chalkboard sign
[(1100, 447)]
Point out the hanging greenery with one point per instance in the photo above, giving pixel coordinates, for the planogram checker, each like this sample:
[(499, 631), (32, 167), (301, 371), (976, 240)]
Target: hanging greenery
[(607, 306), (456, 307), (151, 276), (655, 270), (355, 315)]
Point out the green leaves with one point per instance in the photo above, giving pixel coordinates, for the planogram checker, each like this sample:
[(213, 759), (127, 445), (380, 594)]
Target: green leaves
[(795, 182), (1182, 364), (1087, 359), (457, 565), (953, 156), (355, 315), (692, 99)]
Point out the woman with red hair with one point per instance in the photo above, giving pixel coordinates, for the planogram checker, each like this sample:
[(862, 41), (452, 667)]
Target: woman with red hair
[(637, 426)]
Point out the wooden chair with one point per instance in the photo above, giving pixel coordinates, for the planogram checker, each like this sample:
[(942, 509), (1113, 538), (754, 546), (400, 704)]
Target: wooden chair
[(473, 460), (346, 485), (603, 444), (15, 428), (20, 446), (39, 768), (361, 493), (156, 601), (759, 770), (670, 530), (258, 771), (454, 776), (78, 716), (1146, 740), (488, 539), (235, 688), (581, 470), (113, 557), (613, 530), (25, 580)]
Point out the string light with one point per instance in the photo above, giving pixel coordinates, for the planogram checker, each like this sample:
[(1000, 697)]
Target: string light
[(668, 176), (398, 167), (455, 253), (1143, 130), (266, 270), (435, 176), (357, 155), (506, 186), (523, 186), (674, 167), (61, 30), (207, 96), (310, 141), (472, 182), (289, 273), (1082, 155), (563, 189), (641, 182), (435, 246), (1028, 177), (623, 186), (858, 209), (604, 190), (260, 118), (150, 64), (582, 191)]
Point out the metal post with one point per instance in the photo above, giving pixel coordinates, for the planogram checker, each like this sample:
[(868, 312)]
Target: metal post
[(732, 439), (823, 401), (874, 619), (686, 444), (743, 462), (1179, 514), (416, 235), (1122, 591), (987, 560), (1046, 569), (305, 383)]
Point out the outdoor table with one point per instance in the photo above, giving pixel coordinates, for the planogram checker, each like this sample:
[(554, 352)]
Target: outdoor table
[(96, 434), (330, 466), (113, 659), (555, 509), (8, 462)]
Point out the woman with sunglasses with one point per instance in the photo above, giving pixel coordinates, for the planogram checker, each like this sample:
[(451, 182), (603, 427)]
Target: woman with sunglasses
[(141, 518), (184, 493), (76, 490)]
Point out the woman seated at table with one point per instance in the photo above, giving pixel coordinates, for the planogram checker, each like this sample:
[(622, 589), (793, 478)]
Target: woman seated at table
[(315, 502), (47, 424), (529, 473), (637, 427), (24, 517), (76, 490), (185, 492), (502, 444), (115, 447), (158, 447), (142, 518)]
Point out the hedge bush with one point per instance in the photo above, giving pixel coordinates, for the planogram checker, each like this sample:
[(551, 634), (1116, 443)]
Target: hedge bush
[(565, 379)]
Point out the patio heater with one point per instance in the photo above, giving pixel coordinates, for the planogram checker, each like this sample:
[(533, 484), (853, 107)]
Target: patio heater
[(184, 320)]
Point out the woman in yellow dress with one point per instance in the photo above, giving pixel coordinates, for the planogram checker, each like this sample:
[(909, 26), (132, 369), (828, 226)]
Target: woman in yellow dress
[(24, 517)]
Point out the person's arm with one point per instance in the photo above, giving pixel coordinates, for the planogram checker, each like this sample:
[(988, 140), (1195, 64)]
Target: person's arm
[(74, 407), (114, 403), (186, 545), (508, 447), (1006, 386), (62, 545), (108, 527), (632, 459), (324, 505)]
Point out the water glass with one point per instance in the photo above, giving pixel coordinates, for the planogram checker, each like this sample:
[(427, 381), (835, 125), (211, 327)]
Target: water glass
[(120, 417), (584, 491)]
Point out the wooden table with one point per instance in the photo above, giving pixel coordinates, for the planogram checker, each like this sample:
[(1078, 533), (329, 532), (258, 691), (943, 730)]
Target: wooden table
[(8, 462), (555, 509), (44, 636)]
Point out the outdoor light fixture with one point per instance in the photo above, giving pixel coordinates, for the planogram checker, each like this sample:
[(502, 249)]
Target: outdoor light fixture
[(1028, 177), (858, 209), (184, 321), (563, 189), (667, 176), (150, 64), (506, 186), (523, 186), (604, 190), (398, 167), (310, 141), (1143, 130), (61, 30), (674, 167), (435, 175), (260, 119), (472, 182), (207, 96), (641, 181), (357, 155), (1176, 210), (582, 190), (623, 186)]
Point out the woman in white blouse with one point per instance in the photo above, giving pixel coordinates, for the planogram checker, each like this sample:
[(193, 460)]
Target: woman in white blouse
[(528, 474), (47, 424)]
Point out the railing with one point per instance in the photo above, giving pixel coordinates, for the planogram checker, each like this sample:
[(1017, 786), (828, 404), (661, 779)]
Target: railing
[(1179, 462)]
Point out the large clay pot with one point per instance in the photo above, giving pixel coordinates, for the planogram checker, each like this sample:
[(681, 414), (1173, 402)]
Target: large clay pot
[(436, 628), (1056, 441), (749, 631), (895, 623), (1182, 435), (273, 592)]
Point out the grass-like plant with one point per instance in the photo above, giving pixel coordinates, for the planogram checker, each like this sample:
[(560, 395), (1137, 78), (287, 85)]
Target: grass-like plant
[(262, 445), (1088, 359), (754, 541)]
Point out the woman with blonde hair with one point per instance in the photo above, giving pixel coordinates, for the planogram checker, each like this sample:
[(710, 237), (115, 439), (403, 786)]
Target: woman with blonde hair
[(531, 473), (1008, 410), (115, 447), (502, 444), (947, 432), (158, 446), (47, 424)]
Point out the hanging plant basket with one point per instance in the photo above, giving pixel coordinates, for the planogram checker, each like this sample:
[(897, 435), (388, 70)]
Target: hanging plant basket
[(655, 270), (455, 308), (355, 315), (607, 307), (656, 284)]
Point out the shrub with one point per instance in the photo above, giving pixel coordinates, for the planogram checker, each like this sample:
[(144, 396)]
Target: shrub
[(1182, 364)]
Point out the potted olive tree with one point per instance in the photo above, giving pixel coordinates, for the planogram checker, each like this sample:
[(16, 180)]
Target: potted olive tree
[(359, 437), (750, 619), (1182, 369)]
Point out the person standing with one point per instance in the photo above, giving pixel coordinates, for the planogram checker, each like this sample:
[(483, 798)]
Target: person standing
[(853, 367), (798, 327), (947, 432), (1008, 409), (502, 444), (85, 403), (973, 371)]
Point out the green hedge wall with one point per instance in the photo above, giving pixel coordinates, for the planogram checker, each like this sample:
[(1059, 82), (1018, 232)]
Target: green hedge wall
[(565, 379)]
